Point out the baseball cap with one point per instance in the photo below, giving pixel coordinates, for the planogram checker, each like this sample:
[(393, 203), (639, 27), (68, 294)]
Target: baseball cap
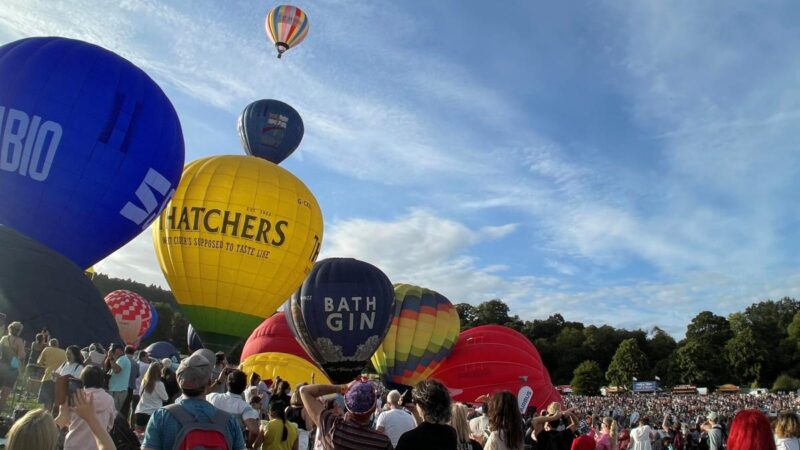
[(194, 372), (360, 398), (712, 416)]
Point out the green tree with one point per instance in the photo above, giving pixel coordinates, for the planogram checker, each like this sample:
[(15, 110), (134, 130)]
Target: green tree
[(467, 314), (587, 378), (628, 362), (492, 312), (785, 383), (691, 361), (770, 321), (744, 357), (710, 328)]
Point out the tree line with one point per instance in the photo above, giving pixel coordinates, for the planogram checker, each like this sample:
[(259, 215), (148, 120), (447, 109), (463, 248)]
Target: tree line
[(759, 346)]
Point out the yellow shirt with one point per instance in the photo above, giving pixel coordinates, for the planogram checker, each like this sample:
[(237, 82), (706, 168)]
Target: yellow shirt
[(273, 432), (51, 358)]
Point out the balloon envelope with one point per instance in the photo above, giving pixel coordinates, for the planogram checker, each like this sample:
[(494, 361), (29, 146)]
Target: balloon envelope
[(132, 313), (153, 321), (90, 147), (492, 358), (161, 350), (340, 315), (234, 242), (291, 368), (286, 26), (193, 340), (274, 336), (41, 288), (270, 129), (424, 330)]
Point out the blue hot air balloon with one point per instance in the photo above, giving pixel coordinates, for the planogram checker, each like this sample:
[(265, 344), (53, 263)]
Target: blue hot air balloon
[(341, 314), (91, 149), (41, 288), (270, 129), (161, 350), (153, 322), (193, 339)]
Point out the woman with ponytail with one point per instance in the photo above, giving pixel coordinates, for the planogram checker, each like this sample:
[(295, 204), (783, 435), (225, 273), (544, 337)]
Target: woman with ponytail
[(609, 435), (278, 433)]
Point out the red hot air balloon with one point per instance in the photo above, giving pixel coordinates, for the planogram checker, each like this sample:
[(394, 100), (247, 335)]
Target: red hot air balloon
[(493, 358), (132, 313), (274, 336)]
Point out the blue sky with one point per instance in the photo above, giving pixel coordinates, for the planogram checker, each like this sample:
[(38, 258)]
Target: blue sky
[(621, 162)]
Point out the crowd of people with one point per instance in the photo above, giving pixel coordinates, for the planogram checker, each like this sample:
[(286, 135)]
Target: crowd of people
[(119, 398)]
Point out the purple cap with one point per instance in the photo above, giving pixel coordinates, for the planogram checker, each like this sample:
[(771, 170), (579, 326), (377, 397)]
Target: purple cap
[(360, 398)]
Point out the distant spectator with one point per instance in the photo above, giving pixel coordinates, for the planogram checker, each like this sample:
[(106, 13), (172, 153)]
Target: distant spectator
[(458, 420), (152, 395), (233, 403), (37, 346), (118, 366), (51, 358), (133, 374), (395, 421)]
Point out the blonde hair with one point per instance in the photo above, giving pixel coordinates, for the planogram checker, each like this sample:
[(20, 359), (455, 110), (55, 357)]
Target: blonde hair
[(458, 420), (35, 430), (15, 328), (787, 425), (613, 430), (553, 408), (151, 377)]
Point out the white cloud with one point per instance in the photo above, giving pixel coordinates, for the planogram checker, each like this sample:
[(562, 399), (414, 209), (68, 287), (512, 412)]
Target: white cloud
[(136, 260)]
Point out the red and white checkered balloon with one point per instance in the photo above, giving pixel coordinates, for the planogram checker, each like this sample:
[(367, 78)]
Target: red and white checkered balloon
[(132, 313)]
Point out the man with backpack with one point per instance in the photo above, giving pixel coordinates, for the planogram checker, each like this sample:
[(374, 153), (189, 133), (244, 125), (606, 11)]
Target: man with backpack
[(192, 422)]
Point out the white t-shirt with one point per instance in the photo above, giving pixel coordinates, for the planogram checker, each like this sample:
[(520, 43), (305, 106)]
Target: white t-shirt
[(395, 422), (787, 444), (150, 402), (143, 366), (478, 425), (71, 369), (640, 437), (232, 404)]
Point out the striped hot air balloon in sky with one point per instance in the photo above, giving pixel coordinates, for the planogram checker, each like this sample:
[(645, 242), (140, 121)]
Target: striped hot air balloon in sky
[(286, 26), (423, 332)]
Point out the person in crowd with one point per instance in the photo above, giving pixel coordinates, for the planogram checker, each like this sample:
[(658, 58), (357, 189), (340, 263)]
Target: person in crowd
[(257, 387), (787, 431), (279, 433), (37, 346), (152, 395), (608, 437), (352, 432), (220, 366), (194, 379), (282, 392), (409, 407), (505, 423), (81, 433), (132, 376), (51, 358), (96, 355), (458, 420), (296, 414), (643, 435), (170, 381), (750, 430), (546, 432), (142, 362), (257, 405), (36, 430), (479, 426), (118, 366), (332, 404), (584, 442), (433, 402), (714, 430), (395, 421), (232, 402), (74, 365)]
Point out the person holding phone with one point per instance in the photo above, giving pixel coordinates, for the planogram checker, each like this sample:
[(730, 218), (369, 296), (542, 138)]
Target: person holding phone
[(80, 434)]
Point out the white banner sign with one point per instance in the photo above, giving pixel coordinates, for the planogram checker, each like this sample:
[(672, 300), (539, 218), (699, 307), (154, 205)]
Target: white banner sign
[(524, 397)]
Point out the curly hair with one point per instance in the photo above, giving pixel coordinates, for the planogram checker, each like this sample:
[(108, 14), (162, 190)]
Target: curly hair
[(434, 400), (787, 425)]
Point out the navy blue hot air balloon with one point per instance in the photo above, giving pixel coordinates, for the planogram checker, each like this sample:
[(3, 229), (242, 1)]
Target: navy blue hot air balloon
[(341, 314), (41, 288), (161, 350), (153, 322), (270, 129), (91, 149), (193, 339)]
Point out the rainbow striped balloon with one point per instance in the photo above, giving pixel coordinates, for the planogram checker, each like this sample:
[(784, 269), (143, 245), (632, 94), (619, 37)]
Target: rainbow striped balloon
[(287, 26), (424, 330)]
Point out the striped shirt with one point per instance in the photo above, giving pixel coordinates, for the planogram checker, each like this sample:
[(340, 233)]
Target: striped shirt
[(340, 434)]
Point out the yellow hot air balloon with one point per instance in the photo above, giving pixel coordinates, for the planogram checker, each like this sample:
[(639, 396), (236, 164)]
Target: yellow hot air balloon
[(291, 368), (237, 238), (90, 272)]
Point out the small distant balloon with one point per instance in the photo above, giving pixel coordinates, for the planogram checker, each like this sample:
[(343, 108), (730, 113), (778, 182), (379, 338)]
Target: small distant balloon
[(153, 322), (132, 313), (270, 129), (286, 26), (193, 339)]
